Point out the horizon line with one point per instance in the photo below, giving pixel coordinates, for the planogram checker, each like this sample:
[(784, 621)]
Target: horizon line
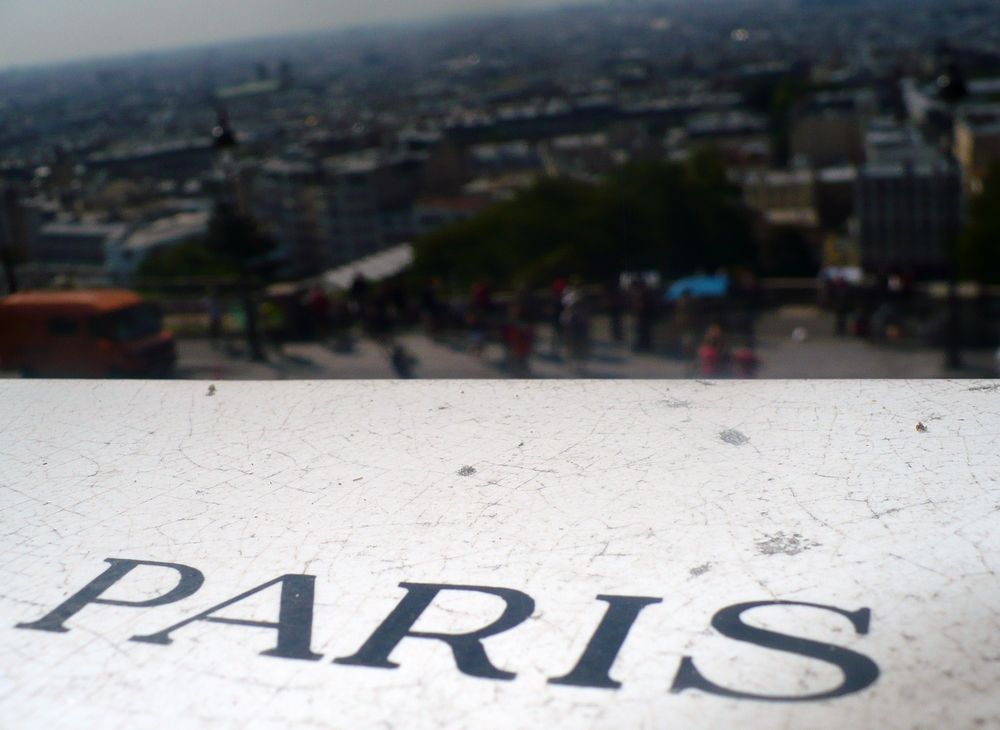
[(448, 17)]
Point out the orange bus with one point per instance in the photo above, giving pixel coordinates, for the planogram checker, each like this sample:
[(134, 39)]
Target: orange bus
[(84, 333)]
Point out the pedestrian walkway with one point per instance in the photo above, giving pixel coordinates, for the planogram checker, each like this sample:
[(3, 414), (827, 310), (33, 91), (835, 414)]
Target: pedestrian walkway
[(815, 353)]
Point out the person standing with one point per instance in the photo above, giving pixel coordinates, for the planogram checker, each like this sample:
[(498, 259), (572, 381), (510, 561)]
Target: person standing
[(214, 310), (642, 313), (273, 315), (576, 328), (518, 337), (713, 357), (557, 291), (615, 305)]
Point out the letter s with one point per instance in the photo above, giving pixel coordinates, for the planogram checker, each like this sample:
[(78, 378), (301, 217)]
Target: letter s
[(859, 671)]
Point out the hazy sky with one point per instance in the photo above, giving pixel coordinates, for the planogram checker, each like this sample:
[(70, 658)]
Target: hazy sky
[(33, 31)]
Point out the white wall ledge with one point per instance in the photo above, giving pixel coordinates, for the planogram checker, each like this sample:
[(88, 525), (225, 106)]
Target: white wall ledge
[(602, 538)]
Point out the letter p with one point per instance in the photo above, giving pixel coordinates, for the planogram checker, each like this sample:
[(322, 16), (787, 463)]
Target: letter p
[(190, 581)]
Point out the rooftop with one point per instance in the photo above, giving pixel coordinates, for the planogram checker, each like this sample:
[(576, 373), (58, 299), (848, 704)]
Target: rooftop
[(376, 267), (168, 230), (84, 228), (101, 299)]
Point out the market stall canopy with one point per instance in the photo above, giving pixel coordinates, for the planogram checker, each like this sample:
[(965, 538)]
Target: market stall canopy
[(698, 287), (847, 274), (376, 267)]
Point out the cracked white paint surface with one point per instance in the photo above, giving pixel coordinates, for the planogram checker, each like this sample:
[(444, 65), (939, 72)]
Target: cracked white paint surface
[(702, 494)]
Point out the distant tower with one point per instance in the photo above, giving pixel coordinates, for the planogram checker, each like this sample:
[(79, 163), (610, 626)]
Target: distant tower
[(223, 137), (952, 89), (285, 74), (951, 83), (224, 143), (950, 80)]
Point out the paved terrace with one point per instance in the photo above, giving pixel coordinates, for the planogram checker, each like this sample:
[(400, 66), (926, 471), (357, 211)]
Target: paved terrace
[(820, 355)]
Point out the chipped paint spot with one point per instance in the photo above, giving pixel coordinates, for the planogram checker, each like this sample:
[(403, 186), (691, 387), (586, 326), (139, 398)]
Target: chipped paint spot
[(733, 437), (784, 544)]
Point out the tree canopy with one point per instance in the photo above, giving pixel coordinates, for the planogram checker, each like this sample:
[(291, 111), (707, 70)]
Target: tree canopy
[(232, 245), (188, 259), (235, 238), (645, 216), (979, 246)]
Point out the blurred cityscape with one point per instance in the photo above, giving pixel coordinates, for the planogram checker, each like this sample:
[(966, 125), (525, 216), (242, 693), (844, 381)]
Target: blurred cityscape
[(770, 188)]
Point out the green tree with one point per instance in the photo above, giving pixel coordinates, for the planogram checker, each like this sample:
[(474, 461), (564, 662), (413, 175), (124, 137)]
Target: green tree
[(777, 97), (12, 236), (237, 242), (646, 215), (542, 229), (979, 243), (783, 100), (185, 260), (786, 252)]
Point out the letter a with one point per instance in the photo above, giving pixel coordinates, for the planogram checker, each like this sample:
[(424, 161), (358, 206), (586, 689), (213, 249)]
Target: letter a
[(294, 625)]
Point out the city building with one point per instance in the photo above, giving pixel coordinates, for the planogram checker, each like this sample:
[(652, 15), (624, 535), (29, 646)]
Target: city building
[(806, 198), (430, 214), (72, 244), (288, 203), (125, 255), (741, 138), (179, 160), (977, 143), (368, 199), (783, 197), (909, 213), (828, 128)]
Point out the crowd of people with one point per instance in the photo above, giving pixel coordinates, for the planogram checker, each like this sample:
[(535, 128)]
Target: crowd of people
[(556, 323)]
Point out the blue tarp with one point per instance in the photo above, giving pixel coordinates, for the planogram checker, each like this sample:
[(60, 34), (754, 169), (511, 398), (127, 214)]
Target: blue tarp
[(698, 286)]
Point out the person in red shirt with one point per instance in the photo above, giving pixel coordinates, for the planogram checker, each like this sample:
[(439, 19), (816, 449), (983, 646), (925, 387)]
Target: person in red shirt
[(713, 357)]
